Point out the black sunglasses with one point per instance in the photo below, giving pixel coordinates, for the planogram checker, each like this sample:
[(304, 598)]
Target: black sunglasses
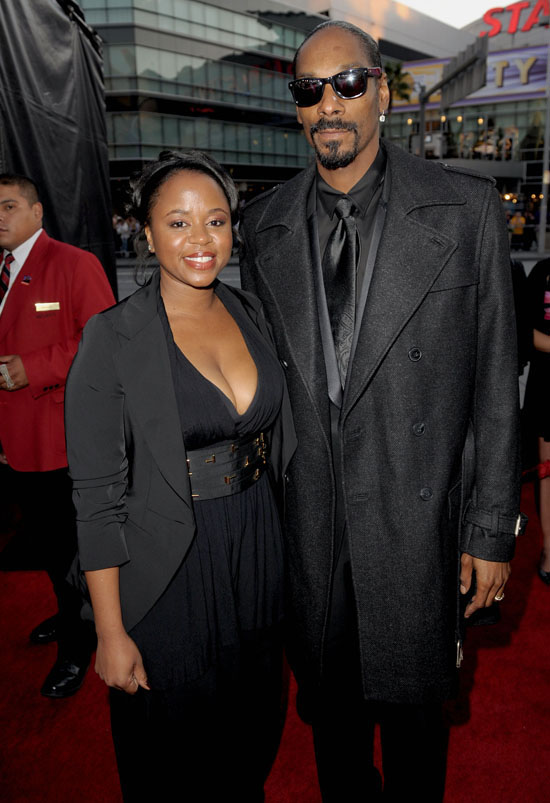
[(349, 84)]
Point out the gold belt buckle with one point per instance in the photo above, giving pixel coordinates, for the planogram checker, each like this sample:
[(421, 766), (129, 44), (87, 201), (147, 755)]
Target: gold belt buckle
[(260, 443)]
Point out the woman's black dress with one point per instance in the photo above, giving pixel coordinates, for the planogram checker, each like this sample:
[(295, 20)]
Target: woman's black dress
[(537, 394), (211, 644)]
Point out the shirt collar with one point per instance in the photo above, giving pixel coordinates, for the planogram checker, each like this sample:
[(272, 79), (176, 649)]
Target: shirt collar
[(361, 193), (22, 251)]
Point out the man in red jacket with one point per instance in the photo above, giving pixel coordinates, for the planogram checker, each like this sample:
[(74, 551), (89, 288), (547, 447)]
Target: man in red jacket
[(48, 291)]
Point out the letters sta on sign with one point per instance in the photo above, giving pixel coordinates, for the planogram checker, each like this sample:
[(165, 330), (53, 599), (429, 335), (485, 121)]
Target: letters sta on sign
[(541, 8)]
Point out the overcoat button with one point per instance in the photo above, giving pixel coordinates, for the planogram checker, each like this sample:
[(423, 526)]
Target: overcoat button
[(414, 354), (426, 494), (284, 364), (419, 429), (287, 478)]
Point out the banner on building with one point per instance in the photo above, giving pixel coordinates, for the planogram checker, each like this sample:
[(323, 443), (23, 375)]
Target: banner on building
[(510, 74)]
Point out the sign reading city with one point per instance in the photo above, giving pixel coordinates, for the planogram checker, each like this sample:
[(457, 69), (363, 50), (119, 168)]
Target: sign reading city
[(510, 75), (496, 16)]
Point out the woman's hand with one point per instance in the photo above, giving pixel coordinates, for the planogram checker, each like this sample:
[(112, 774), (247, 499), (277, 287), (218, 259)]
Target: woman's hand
[(118, 663)]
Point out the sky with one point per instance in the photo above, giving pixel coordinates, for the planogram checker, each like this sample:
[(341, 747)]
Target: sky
[(454, 13)]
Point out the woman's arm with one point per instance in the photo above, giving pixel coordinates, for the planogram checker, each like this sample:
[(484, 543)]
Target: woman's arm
[(98, 465), (541, 341), (118, 660)]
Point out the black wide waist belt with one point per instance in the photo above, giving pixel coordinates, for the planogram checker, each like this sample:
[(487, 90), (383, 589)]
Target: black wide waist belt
[(226, 468)]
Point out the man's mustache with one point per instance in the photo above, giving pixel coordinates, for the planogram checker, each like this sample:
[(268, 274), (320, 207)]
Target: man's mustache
[(325, 124)]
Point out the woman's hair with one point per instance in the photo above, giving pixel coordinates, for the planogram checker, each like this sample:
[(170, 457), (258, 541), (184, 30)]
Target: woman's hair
[(146, 186)]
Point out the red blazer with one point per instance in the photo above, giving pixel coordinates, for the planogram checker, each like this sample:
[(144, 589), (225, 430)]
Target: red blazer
[(32, 431)]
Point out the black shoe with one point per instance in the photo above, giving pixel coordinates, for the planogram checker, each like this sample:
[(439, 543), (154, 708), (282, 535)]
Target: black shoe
[(45, 632), (544, 576), (65, 678)]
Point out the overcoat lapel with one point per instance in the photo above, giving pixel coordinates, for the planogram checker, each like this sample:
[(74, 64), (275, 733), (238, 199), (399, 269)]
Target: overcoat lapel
[(143, 364), (285, 264), (410, 257)]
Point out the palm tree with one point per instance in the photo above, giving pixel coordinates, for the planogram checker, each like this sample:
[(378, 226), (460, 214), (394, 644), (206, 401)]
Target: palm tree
[(399, 83)]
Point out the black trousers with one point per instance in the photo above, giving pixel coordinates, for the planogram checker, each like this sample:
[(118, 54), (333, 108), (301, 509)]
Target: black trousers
[(209, 740), (45, 501), (414, 740)]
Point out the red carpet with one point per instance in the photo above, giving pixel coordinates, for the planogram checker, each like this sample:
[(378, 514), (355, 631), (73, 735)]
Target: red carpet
[(60, 751)]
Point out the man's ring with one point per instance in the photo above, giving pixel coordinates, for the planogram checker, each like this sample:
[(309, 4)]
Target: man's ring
[(499, 597)]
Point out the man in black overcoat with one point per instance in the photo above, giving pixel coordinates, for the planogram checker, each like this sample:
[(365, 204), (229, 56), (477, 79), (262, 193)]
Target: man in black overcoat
[(386, 280)]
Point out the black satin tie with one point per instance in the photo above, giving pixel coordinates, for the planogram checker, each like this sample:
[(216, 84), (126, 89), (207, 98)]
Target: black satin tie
[(339, 272)]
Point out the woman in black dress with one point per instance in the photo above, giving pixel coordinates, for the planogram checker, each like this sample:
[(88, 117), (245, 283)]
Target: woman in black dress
[(176, 411), (537, 397)]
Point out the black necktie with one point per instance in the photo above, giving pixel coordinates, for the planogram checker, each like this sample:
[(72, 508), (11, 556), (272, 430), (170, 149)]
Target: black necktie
[(5, 274), (339, 270)]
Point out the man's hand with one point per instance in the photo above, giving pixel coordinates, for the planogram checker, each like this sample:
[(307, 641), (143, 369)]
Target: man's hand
[(18, 375), (491, 577)]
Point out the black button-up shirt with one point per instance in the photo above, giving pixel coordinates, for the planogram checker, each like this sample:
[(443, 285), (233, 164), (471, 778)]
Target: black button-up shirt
[(365, 195)]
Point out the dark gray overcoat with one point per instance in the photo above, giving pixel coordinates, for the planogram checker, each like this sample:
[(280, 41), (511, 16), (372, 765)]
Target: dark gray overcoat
[(429, 428)]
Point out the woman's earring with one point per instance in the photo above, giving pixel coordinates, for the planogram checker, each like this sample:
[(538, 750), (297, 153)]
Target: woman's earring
[(150, 247), (382, 117)]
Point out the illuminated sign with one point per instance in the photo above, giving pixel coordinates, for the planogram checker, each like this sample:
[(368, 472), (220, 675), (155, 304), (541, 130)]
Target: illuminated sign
[(510, 75), (493, 17)]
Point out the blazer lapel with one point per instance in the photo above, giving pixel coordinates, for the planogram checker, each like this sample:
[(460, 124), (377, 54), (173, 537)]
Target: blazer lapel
[(144, 368), (410, 258), (285, 263)]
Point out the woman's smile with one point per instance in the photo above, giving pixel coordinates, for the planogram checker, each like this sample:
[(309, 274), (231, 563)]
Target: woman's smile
[(201, 260)]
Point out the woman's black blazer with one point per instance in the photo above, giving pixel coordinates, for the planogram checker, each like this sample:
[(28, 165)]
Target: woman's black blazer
[(126, 452)]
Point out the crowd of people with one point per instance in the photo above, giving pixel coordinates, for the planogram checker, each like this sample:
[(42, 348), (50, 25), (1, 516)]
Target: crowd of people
[(325, 462), (522, 226), (125, 230)]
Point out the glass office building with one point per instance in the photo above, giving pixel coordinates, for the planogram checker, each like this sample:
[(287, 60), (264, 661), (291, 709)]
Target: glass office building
[(188, 74), (209, 75), (214, 75)]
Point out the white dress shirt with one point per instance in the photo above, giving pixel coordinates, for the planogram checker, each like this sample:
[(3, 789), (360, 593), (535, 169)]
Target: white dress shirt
[(20, 255)]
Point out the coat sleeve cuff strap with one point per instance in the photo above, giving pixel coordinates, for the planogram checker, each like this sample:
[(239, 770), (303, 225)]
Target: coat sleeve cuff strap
[(495, 522), (490, 535)]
